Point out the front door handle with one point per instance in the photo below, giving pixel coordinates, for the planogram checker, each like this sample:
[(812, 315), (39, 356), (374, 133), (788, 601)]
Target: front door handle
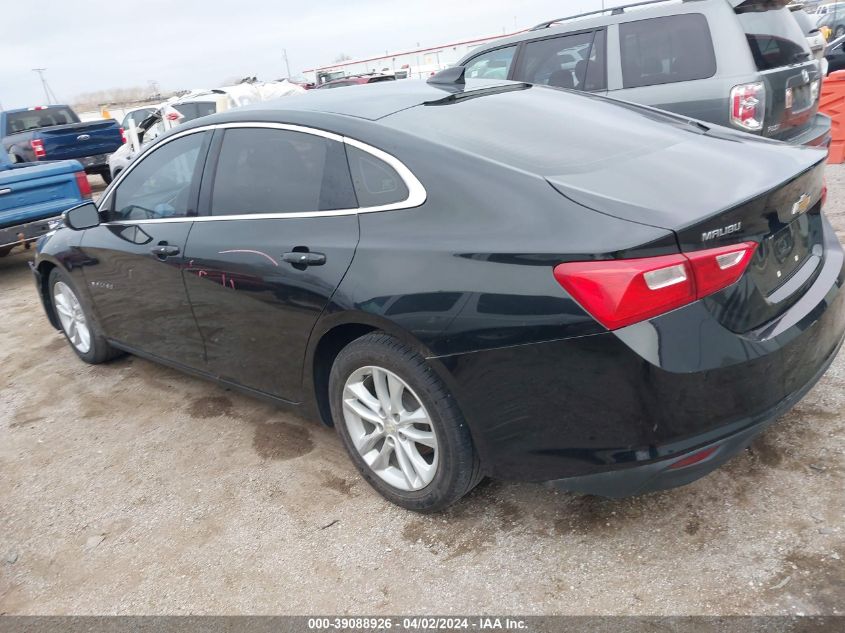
[(304, 259), (164, 250)]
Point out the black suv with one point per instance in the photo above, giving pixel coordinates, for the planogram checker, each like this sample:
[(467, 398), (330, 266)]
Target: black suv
[(740, 63)]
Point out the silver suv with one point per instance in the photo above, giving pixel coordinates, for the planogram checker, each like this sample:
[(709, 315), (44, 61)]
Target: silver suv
[(739, 63)]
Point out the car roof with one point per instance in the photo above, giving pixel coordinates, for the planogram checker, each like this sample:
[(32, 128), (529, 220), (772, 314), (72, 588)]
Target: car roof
[(373, 101)]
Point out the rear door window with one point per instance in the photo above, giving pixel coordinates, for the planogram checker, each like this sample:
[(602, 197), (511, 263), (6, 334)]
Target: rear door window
[(773, 35), (493, 64), (261, 170), (565, 61), (666, 50)]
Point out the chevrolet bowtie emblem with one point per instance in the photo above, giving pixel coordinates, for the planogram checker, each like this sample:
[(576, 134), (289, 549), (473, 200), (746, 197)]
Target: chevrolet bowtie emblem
[(801, 205)]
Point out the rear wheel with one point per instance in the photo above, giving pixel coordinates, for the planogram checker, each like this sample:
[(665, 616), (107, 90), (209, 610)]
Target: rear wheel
[(77, 323), (840, 30), (400, 425)]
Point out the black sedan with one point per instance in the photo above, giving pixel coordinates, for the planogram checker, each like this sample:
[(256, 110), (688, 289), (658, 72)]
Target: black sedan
[(470, 279)]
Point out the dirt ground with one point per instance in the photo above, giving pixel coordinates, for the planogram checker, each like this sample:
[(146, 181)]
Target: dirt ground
[(129, 488)]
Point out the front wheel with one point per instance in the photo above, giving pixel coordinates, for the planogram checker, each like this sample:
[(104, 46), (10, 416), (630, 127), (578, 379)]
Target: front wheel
[(76, 320), (400, 425)]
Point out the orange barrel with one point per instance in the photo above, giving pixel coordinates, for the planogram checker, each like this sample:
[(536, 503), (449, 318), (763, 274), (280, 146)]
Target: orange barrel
[(832, 103)]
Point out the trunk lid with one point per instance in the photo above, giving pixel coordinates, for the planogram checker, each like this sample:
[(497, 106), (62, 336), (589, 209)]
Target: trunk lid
[(79, 140), (714, 194)]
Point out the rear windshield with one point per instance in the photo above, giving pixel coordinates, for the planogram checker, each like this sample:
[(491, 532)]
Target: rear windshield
[(35, 119), (773, 35)]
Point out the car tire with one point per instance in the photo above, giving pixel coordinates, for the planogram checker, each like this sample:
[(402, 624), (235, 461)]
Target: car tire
[(423, 476), (840, 31), (76, 321), (107, 177)]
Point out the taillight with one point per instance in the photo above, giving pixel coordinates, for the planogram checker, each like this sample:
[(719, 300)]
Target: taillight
[(621, 292), (748, 106), (38, 147), (83, 184), (123, 134)]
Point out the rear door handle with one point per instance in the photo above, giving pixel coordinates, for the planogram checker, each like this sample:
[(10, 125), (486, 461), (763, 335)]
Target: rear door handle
[(164, 250), (303, 259)]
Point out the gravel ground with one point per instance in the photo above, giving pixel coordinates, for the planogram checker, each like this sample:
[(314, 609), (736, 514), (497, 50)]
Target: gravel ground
[(129, 488)]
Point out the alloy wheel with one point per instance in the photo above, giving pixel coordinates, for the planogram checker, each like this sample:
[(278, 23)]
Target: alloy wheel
[(72, 317), (390, 428)]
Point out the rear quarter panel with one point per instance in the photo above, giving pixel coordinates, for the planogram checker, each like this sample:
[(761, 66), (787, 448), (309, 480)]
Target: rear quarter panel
[(471, 268)]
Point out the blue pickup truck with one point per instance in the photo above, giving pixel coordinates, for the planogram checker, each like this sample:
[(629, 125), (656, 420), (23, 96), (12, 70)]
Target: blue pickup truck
[(33, 196), (48, 133)]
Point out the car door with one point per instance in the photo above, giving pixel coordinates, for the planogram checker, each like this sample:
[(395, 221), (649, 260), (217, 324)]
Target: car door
[(280, 232), (576, 61), (137, 254)]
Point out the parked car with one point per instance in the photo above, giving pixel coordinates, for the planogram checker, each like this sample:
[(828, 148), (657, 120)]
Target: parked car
[(196, 104), (33, 196), (422, 266), (835, 55), (357, 80), (815, 39), (136, 115), (156, 121), (737, 63), (47, 133)]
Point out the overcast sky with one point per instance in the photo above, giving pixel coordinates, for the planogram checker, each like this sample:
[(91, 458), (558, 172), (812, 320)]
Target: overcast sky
[(89, 45)]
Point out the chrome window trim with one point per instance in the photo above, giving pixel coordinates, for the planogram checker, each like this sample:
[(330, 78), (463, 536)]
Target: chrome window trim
[(416, 192)]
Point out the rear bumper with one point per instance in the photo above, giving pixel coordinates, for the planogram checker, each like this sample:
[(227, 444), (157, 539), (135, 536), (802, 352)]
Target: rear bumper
[(28, 232), (95, 164), (629, 403), (817, 134), (671, 473)]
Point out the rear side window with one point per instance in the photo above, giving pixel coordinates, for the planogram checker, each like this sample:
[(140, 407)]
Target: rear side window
[(491, 65), (565, 62), (35, 119), (261, 170), (666, 50), (773, 35), (376, 182)]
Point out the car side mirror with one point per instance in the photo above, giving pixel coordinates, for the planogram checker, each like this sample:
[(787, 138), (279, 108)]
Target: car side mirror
[(84, 216)]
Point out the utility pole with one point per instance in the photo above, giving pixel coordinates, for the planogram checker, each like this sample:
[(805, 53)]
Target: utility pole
[(48, 93), (287, 65)]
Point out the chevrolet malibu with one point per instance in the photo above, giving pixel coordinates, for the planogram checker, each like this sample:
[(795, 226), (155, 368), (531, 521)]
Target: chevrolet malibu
[(470, 278)]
